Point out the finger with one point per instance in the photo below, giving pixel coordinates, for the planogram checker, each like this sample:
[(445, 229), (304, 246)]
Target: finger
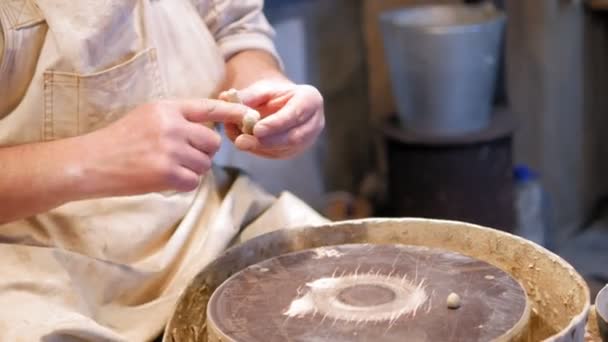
[(231, 95), (307, 101), (205, 110), (203, 138), (245, 142), (194, 160), (232, 131), (257, 94), (184, 180), (302, 135), (291, 115), (251, 144), (299, 137)]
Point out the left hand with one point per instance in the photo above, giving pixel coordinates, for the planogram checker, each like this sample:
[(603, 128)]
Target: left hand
[(292, 119)]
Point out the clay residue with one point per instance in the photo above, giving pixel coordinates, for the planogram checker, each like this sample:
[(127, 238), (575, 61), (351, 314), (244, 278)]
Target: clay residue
[(323, 252), (321, 296)]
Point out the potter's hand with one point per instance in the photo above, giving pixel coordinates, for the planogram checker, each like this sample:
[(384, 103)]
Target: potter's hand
[(292, 119), (158, 146)]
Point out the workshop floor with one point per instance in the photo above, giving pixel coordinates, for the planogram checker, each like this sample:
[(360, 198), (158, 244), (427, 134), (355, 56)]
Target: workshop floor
[(588, 253)]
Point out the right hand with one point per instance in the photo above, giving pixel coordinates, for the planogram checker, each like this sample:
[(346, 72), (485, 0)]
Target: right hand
[(156, 147)]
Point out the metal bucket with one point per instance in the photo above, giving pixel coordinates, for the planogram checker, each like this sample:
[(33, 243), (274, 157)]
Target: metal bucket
[(558, 295), (443, 62)]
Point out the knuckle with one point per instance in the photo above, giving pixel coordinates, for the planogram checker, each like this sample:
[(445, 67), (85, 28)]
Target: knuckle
[(187, 182), (201, 165), (209, 136), (172, 176), (209, 106), (169, 127), (300, 115), (166, 148), (207, 140), (167, 171), (216, 141)]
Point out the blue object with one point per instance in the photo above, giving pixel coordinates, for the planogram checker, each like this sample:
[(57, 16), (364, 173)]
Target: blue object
[(532, 205), (523, 173)]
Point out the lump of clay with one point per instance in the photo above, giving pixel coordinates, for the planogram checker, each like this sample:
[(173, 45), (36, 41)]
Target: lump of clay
[(251, 117), (453, 301), (249, 120), (232, 95)]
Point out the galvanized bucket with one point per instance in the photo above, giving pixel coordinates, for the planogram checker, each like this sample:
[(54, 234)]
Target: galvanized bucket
[(443, 63)]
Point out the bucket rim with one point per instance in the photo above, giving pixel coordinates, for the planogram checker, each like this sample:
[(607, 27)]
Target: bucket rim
[(389, 18)]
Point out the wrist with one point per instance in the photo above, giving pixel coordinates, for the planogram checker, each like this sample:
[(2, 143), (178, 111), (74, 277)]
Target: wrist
[(252, 66), (74, 166), (81, 167), (273, 76)]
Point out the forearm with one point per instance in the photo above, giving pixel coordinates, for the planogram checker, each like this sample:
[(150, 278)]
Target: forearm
[(38, 177), (251, 66)]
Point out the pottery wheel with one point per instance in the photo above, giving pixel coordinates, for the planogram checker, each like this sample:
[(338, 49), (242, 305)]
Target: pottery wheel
[(366, 292)]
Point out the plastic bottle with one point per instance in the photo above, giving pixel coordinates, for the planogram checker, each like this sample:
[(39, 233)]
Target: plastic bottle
[(531, 207)]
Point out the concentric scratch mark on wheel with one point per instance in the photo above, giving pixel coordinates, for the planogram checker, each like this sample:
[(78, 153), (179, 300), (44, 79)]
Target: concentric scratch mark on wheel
[(326, 296)]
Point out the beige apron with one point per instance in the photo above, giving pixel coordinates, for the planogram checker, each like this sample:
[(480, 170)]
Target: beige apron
[(112, 269)]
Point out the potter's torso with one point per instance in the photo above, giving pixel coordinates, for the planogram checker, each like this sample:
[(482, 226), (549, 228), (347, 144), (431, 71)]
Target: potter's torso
[(71, 67)]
